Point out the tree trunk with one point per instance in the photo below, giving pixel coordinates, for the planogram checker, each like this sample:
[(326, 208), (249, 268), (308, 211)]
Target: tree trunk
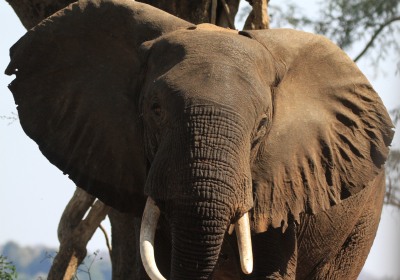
[(258, 18), (126, 262), (31, 12), (74, 232)]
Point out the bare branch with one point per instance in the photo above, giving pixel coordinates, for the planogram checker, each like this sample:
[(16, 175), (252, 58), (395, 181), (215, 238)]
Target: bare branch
[(228, 14), (11, 119), (213, 11), (74, 212), (103, 230), (374, 36)]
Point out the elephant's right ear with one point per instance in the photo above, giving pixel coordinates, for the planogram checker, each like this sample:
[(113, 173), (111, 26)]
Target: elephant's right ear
[(77, 85)]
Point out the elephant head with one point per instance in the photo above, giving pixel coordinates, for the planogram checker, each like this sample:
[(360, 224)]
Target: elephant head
[(211, 125)]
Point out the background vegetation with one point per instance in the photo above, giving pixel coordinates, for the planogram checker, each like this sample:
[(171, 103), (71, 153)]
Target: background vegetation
[(33, 263)]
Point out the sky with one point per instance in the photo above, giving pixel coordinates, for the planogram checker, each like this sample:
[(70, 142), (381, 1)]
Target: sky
[(33, 193)]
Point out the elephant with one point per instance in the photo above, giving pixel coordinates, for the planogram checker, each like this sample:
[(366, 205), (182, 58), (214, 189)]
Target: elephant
[(245, 154)]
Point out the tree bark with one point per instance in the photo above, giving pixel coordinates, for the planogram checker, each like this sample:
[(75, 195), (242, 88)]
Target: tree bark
[(258, 17), (74, 232), (126, 261), (31, 12)]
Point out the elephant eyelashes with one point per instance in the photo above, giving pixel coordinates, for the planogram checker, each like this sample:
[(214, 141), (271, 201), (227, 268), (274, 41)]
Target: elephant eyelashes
[(263, 125), (262, 128), (261, 131)]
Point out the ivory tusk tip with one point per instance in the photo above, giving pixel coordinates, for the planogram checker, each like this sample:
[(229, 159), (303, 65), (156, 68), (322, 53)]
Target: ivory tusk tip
[(151, 214), (243, 235), (247, 267)]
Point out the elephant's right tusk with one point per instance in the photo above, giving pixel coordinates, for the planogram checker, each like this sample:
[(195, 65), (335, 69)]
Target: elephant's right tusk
[(231, 229), (242, 228), (147, 232)]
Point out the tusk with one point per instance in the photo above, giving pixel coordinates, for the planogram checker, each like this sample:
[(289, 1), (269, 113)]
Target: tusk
[(147, 232), (242, 228), (231, 229)]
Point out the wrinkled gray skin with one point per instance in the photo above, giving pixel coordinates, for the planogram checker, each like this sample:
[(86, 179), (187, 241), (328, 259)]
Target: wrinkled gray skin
[(132, 102)]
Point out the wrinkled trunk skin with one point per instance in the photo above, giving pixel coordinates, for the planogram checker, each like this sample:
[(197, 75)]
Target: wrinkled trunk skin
[(205, 188), (196, 241)]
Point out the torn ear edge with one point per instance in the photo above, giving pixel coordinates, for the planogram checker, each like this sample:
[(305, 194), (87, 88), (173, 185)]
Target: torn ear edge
[(330, 130)]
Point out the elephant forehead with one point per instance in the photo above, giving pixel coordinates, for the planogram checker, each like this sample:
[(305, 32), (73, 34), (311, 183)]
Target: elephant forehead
[(217, 66), (205, 45), (219, 83), (206, 57)]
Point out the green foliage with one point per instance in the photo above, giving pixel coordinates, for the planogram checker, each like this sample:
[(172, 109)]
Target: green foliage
[(348, 21), (7, 269), (370, 24)]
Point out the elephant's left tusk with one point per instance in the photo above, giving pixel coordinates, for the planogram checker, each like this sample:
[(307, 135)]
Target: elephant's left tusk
[(147, 232), (242, 228)]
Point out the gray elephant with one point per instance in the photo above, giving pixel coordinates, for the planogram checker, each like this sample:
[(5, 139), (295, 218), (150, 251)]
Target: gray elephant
[(275, 133)]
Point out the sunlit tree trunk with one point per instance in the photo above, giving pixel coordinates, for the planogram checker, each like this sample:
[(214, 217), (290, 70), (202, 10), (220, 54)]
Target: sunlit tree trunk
[(79, 221), (258, 17)]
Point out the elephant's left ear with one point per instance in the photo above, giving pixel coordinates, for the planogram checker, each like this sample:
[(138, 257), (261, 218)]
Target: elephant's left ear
[(329, 134)]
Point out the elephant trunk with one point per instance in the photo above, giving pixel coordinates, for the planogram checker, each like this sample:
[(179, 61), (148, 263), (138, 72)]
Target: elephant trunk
[(147, 233), (197, 237), (197, 241), (206, 187)]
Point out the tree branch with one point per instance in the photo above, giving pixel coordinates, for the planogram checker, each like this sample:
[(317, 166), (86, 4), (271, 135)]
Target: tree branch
[(107, 240), (213, 11), (74, 233), (377, 32), (258, 17), (228, 14)]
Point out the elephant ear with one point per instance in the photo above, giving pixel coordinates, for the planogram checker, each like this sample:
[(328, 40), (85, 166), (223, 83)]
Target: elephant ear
[(329, 134), (77, 87)]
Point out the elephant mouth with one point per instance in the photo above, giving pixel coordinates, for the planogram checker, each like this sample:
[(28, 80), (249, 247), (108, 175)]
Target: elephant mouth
[(147, 233)]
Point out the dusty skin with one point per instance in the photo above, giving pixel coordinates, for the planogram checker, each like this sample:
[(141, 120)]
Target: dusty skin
[(213, 126)]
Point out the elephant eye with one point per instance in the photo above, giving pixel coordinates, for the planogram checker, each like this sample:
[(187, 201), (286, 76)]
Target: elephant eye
[(156, 108), (260, 133), (262, 128), (263, 124)]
